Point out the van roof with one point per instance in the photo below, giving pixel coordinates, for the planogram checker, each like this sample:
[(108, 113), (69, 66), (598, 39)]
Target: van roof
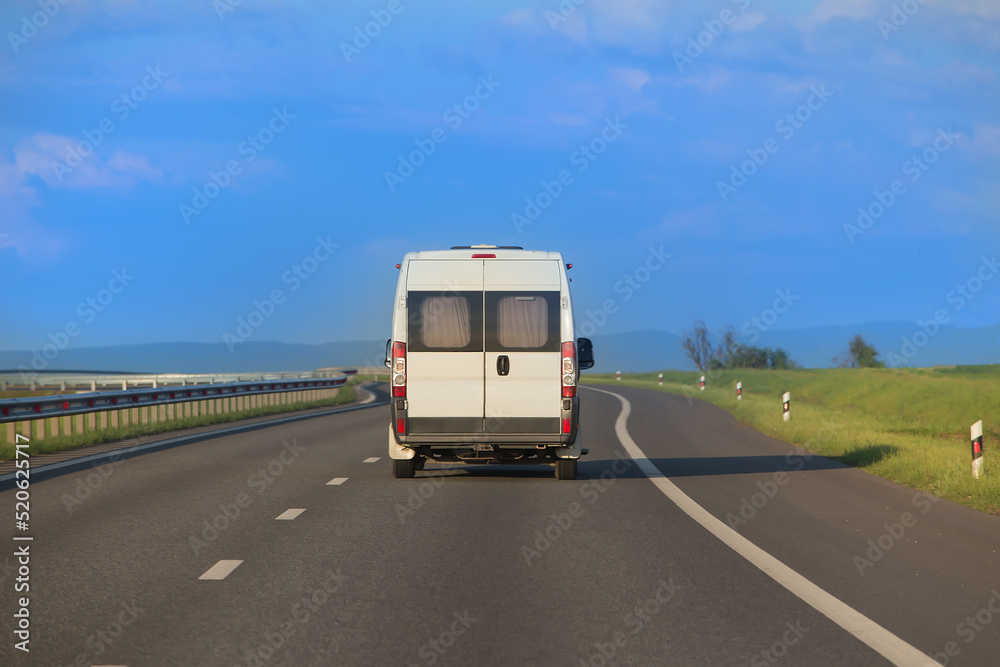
[(501, 252)]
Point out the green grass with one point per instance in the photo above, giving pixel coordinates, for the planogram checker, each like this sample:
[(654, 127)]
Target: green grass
[(907, 425), (77, 440)]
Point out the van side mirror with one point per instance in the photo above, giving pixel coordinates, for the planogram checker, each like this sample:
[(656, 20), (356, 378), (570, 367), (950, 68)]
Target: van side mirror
[(584, 353), (388, 353)]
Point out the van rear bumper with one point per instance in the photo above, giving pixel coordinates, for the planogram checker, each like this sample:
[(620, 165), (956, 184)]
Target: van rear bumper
[(496, 430)]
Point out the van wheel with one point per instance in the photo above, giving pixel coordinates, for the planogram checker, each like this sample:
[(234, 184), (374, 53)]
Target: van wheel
[(566, 469), (418, 462), (403, 467)]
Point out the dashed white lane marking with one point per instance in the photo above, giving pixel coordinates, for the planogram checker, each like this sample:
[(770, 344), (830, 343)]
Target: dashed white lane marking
[(221, 570), (288, 515), (863, 628), (336, 481), (372, 459)]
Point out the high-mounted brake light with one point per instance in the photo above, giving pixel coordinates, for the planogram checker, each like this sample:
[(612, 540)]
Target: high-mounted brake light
[(483, 255), (398, 265), (568, 369), (399, 369)]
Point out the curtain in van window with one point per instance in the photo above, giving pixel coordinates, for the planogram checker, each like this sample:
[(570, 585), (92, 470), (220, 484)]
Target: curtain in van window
[(522, 321), (445, 321)]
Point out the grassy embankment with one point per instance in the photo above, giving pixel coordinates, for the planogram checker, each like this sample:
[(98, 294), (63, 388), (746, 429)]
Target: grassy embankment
[(75, 441), (907, 425)]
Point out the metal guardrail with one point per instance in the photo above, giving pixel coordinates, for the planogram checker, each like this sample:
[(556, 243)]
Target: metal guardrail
[(35, 381), (43, 407)]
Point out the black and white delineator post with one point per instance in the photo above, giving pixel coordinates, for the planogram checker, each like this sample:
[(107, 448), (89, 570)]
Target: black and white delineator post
[(618, 376), (739, 391), (703, 383), (977, 449), (786, 401), (659, 378)]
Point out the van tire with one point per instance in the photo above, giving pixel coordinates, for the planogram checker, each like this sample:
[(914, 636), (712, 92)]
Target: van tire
[(418, 462), (566, 469), (403, 468)]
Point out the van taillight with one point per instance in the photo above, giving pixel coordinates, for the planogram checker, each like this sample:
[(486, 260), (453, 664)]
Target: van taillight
[(399, 369), (568, 369)]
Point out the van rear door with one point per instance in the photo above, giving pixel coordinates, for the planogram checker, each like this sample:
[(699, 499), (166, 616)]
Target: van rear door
[(522, 344), (445, 391)]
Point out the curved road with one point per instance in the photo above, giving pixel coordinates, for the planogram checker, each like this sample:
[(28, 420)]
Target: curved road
[(287, 545)]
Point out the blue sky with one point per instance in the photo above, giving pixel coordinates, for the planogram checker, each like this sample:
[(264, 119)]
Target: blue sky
[(642, 108)]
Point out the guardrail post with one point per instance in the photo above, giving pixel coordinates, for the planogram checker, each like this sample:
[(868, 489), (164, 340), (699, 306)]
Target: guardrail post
[(78, 423), (11, 434), (113, 418), (67, 425), (92, 421)]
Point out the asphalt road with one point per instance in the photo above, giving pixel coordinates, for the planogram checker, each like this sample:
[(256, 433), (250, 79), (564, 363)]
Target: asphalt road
[(498, 565)]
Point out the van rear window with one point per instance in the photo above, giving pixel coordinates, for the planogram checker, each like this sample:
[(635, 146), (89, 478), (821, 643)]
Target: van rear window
[(445, 322), (522, 321)]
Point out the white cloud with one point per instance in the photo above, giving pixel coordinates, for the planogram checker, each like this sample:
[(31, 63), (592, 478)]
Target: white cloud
[(631, 77), (707, 79), (639, 26), (34, 158), (58, 162), (987, 9), (831, 9), (986, 139), (747, 22)]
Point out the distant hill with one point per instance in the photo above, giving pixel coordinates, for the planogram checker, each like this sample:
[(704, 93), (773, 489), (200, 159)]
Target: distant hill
[(634, 351), (816, 347), (813, 347), (638, 351), (208, 357)]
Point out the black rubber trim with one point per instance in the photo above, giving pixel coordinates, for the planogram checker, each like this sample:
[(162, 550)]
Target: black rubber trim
[(444, 425)]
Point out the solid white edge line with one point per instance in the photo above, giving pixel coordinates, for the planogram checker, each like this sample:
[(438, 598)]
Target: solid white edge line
[(220, 570), (863, 628), (336, 481), (289, 514), (372, 459)]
